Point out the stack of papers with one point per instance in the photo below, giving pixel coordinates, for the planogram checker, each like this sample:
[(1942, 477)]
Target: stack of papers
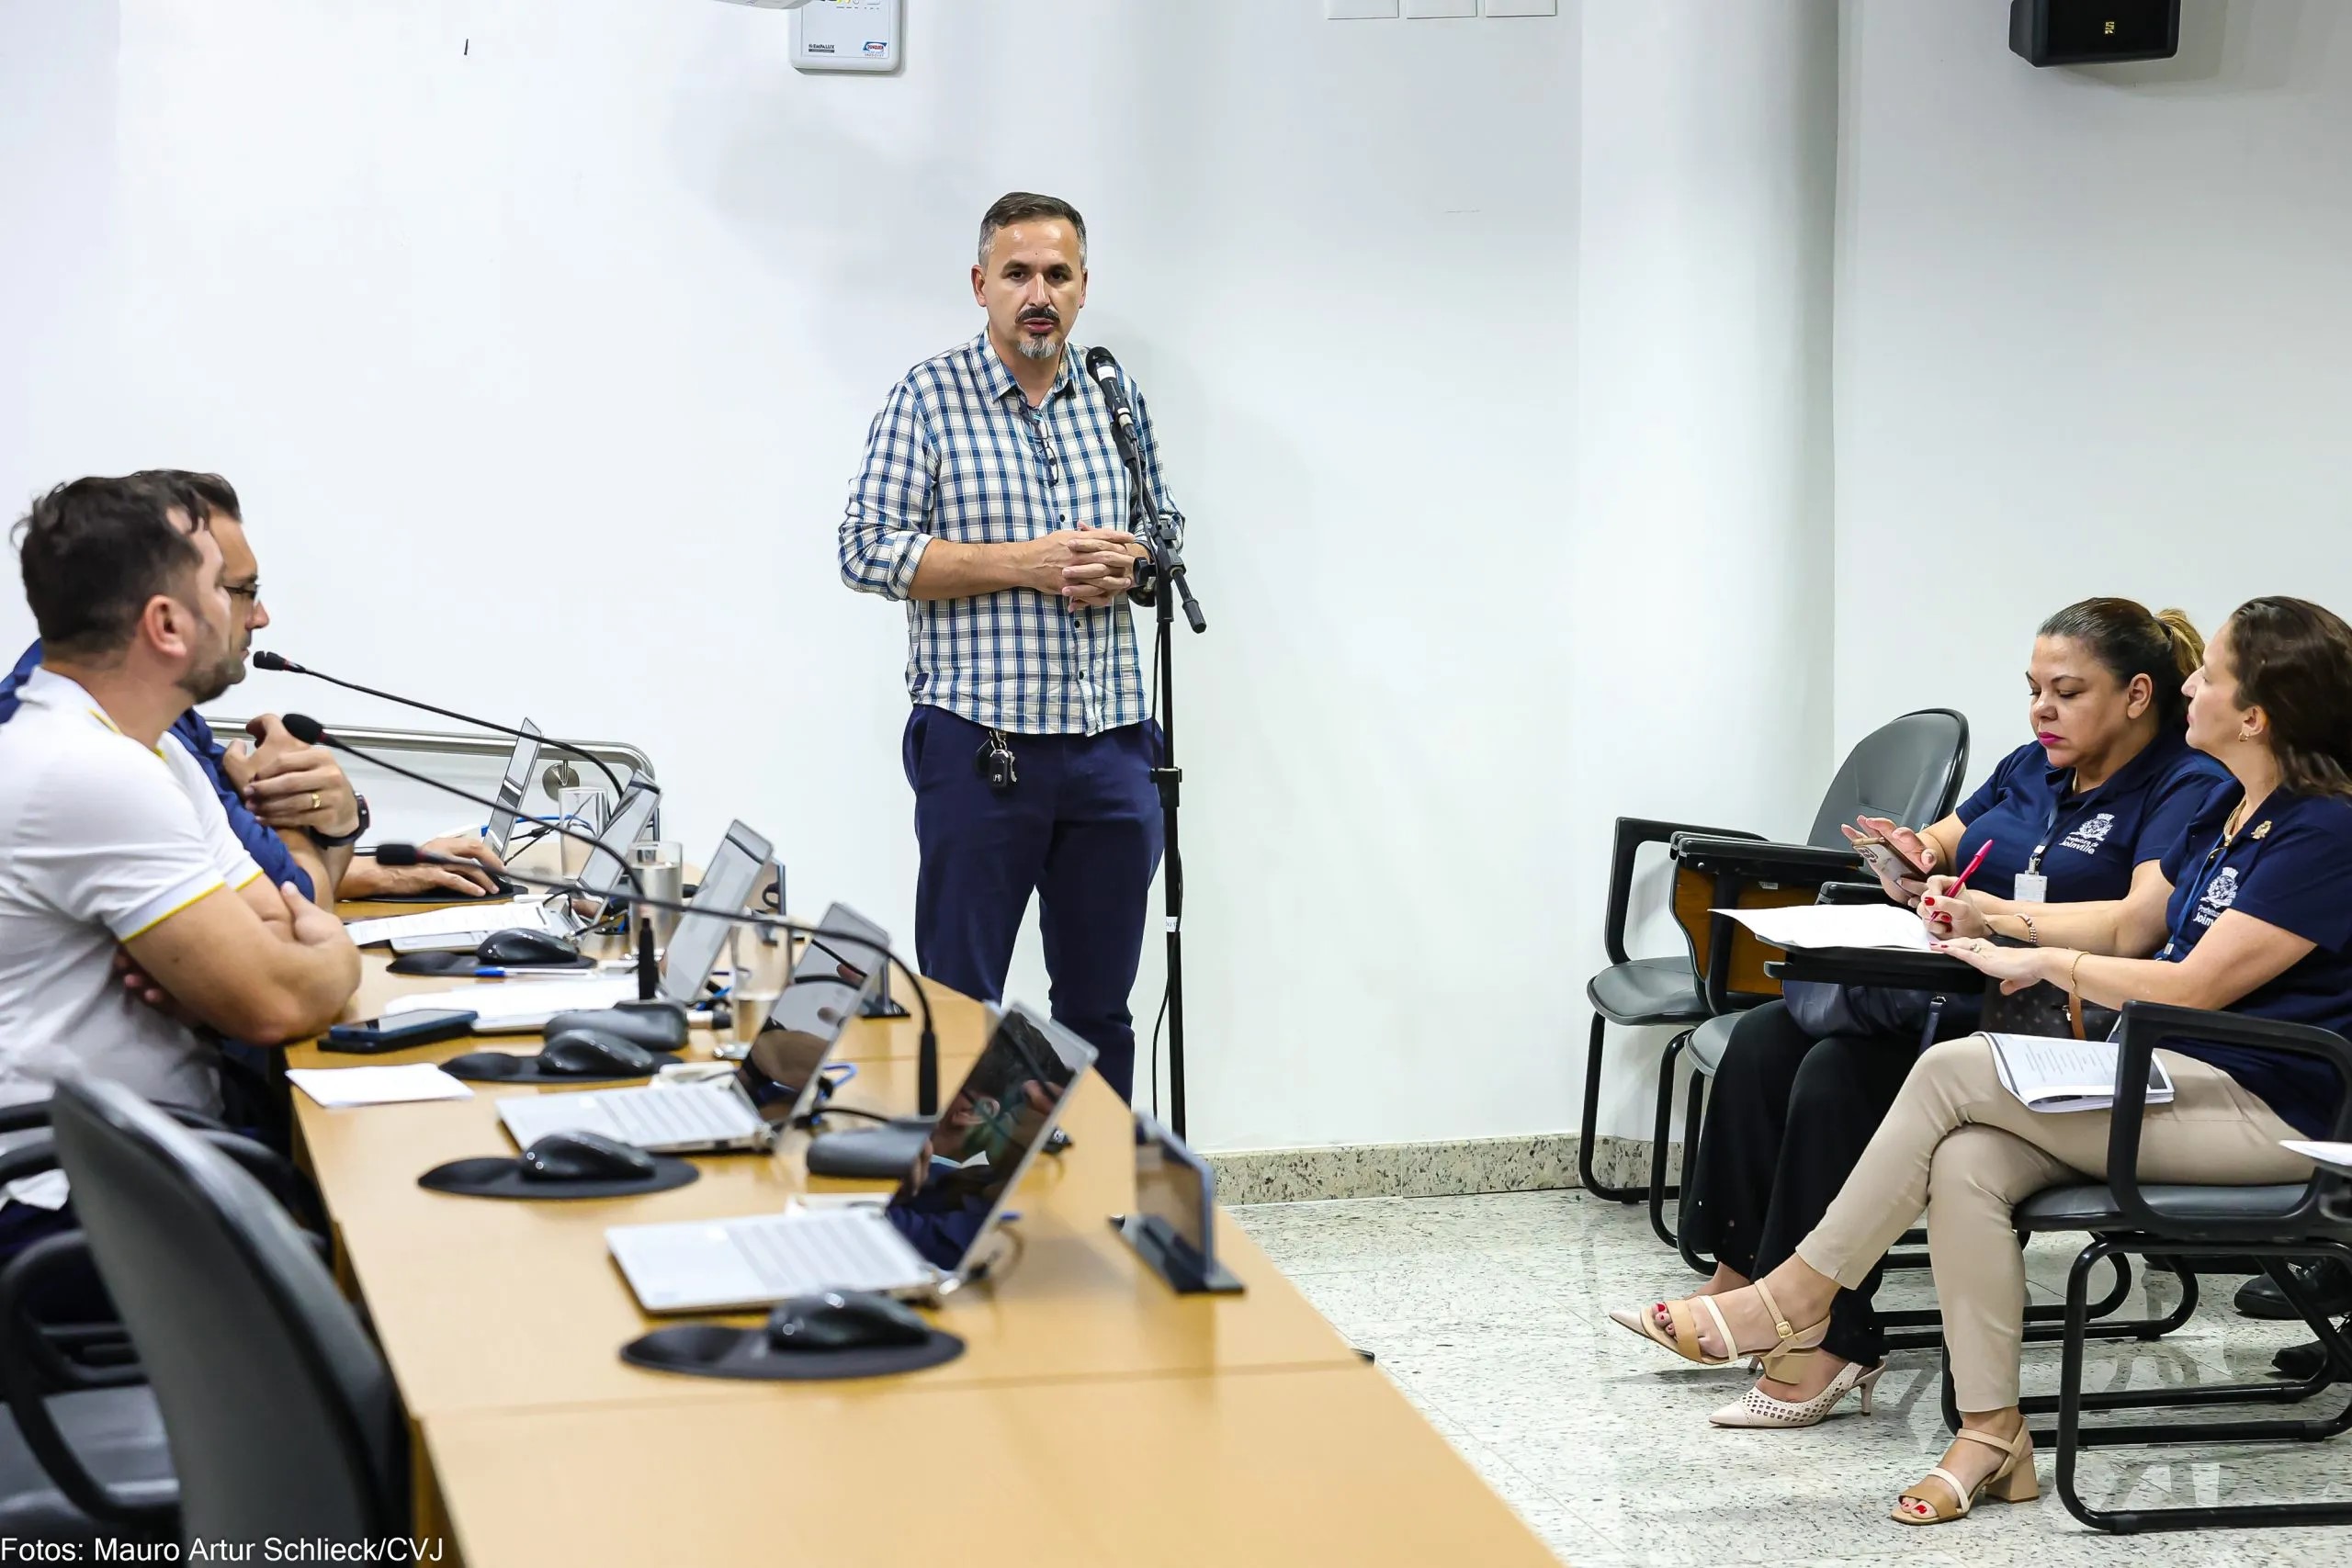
[(1836, 925), (2067, 1075), (338, 1086)]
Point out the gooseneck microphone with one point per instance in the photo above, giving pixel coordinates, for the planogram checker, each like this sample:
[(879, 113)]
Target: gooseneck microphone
[(1167, 555), (278, 662), (927, 1059), (311, 732)]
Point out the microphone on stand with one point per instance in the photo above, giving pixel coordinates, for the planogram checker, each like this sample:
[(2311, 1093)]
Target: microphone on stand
[(927, 1058), (278, 662), (1168, 558), (311, 732), (1167, 555)]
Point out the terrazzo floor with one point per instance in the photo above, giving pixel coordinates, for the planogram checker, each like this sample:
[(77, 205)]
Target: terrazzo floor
[(1491, 1314)]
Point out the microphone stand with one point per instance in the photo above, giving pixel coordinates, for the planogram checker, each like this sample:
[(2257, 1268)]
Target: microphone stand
[(1166, 557), (927, 1047), (311, 732)]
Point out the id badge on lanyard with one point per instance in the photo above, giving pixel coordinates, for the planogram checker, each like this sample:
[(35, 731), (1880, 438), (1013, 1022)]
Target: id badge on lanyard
[(2032, 887)]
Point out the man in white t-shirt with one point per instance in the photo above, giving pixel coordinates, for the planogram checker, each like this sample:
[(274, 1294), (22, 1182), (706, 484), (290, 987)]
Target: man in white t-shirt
[(114, 854)]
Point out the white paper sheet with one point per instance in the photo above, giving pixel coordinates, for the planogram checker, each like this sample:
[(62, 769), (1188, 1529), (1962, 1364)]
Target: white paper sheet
[(335, 1087), (518, 1004), (456, 920), (2335, 1156), (48, 1189), (1836, 925)]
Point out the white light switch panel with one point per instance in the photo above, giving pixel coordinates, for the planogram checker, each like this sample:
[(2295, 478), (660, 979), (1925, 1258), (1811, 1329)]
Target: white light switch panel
[(1440, 7), (1522, 7), (1354, 10)]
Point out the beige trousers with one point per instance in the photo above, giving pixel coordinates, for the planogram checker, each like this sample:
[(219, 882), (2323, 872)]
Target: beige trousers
[(1964, 1149)]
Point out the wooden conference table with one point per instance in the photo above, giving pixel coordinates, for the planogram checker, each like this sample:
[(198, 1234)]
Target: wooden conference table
[(1095, 1417)]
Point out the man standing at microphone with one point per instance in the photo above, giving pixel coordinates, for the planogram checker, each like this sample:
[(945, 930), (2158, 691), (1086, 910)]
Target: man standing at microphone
[(993, 503)]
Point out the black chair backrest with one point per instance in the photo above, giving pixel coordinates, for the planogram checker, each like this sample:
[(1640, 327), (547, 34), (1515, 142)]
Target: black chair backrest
[(281, 1415), (1909, 770)]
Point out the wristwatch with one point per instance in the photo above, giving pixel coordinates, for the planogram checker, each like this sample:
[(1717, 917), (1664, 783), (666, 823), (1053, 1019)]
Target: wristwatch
[(336, 841)]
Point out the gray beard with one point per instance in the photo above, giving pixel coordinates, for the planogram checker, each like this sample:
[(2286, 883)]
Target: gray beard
[(1038, 349)]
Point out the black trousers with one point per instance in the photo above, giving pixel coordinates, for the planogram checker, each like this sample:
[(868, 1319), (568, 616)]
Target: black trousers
[(1786, 1123)]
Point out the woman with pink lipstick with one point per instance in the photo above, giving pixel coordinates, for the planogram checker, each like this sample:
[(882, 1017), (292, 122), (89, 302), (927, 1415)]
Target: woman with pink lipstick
[(2083, 812)]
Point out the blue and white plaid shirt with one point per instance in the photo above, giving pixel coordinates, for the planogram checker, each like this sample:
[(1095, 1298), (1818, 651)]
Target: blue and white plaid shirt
[(958, 453)]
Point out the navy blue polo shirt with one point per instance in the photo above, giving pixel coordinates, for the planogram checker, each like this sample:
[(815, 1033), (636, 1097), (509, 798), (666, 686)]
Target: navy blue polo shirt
[(2289, 867), (2093, 841), (260, 840)]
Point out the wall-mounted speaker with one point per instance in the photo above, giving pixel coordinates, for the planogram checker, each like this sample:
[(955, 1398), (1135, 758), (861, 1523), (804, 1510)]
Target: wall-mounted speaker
[(2087, 32)]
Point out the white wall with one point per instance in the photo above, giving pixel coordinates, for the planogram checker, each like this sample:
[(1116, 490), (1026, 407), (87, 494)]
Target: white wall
[(1700, 578), (595, 311), (2092, 337)]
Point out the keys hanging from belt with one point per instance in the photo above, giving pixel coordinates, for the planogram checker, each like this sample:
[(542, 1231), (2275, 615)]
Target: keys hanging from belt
[(995, 763)]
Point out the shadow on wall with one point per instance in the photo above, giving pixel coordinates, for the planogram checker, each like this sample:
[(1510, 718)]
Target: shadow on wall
[(2229, 47)]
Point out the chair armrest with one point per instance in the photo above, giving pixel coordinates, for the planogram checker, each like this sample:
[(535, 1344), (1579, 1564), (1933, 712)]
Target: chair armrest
[(148, 1506), (1892, 967), (2147, 1025), (33, 1113), (1753, 860), (1633, 832), (1852, 893)]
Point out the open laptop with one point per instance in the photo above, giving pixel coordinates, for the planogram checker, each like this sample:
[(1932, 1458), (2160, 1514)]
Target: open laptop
[(728, 878), (771, 1089), (932, 1232), (512, 788), (462, 925)]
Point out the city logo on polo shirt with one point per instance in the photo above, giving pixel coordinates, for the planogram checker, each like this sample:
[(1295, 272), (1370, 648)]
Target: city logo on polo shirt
[(2088, 836), (2218, 896)]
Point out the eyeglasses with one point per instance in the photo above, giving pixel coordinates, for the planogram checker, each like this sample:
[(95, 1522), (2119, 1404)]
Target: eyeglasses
[(1042, 444), (249, 592)]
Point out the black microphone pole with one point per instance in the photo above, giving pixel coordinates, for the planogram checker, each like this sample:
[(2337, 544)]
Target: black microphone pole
[(311, 732), (927, 1051), (1167, 566), (282, 665)]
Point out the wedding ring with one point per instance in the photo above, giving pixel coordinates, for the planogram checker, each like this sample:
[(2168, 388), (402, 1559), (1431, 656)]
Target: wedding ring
[(314, 800)]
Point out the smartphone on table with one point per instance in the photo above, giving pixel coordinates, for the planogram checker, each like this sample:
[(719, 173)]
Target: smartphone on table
[(399, 1033)]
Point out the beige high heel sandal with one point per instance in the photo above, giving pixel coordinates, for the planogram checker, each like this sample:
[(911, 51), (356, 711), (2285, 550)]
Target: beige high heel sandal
[(2013, 1483), (1683, 1340), (1761, 1410)]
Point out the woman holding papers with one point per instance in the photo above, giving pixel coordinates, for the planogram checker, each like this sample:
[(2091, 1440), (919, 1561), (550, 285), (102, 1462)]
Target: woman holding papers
[(2250, 913), (2083, 811)]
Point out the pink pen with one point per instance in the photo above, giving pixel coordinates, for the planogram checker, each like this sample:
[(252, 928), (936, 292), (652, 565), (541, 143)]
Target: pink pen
[(1962, 886)]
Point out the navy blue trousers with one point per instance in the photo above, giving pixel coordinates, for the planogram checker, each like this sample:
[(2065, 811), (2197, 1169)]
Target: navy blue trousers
[(1082, 829)]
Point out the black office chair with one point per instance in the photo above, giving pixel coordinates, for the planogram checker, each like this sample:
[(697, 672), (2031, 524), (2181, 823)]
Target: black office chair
[(2278, 1225), (282, 1417), (83, 1451), (1909, 770)]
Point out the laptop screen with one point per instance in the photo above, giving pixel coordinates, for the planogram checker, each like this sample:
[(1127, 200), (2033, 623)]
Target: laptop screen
[(514, 787), (727, 884), (987, 1137), (829, 984), (603, 872)]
